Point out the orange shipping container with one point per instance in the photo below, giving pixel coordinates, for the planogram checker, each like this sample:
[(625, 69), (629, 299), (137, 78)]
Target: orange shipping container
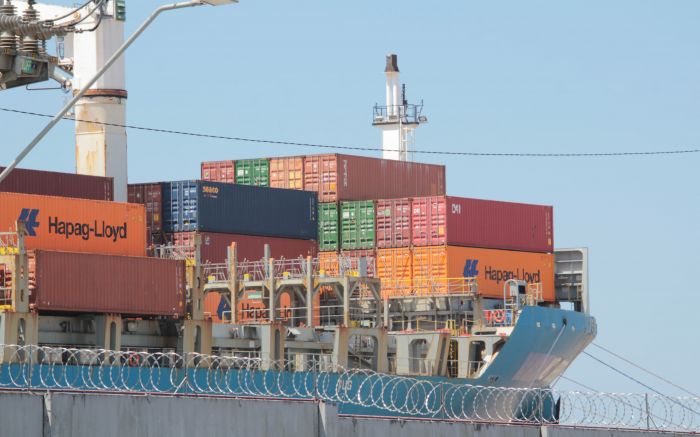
[(76, 225), (490, 267), (395, 269), (328, 263), (287, 173)]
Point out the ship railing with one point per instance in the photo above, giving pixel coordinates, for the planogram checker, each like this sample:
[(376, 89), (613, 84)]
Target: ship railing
[(310, 362), (9, 243), (6, 286), (428, 287), (533, 295), (323, 315), (38, 369), (500, 317), (341, 266), (419, 366), (472, 369)]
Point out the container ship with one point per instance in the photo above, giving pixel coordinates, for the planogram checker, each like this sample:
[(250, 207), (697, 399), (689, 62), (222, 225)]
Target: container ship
[(315, 262)]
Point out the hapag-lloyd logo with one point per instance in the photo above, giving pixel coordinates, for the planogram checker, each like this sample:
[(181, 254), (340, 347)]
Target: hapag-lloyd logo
[(68, 229), (500, 275)]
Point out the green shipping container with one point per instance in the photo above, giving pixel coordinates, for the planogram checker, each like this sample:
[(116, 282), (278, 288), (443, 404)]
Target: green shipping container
[(253, 172), (328, 229), (357, 229)]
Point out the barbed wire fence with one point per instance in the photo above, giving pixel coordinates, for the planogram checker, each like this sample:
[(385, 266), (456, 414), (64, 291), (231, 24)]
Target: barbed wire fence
[(357, 391)]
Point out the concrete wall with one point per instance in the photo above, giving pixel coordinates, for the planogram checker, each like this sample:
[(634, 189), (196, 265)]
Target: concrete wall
[(83, 414)]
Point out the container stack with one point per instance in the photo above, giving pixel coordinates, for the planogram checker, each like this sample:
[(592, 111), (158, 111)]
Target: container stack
[(87, 253), (398, 213), (440, 239), (251, 215)]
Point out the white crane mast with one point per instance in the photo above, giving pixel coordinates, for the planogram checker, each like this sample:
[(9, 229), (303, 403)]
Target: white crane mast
[(100, 149)]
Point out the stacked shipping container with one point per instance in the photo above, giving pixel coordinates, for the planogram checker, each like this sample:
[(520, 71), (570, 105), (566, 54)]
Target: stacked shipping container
[(77, 225), (452, 237), (86, 253), (150, 195), (232, 208), (50, 183), (94, 283)]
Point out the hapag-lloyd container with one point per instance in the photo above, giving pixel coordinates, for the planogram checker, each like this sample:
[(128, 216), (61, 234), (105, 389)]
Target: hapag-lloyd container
[(491, 268), (345, 177), (239, 209), (395, 269), (50, 183), (76, 225), (248, 248), (458, 221), (393, 223), (287, 173), (219, 171), (79, 282)]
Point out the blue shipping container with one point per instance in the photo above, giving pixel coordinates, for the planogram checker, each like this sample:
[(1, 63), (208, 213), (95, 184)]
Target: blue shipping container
[(239, 209)]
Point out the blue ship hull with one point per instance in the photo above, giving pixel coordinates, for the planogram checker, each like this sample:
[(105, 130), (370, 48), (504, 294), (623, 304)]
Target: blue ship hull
[(542, 345)]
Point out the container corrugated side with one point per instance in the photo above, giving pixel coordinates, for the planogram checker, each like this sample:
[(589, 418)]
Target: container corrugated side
[(253, 172), (346, 177), (79, 282), (393, 223), (248, 247), (395, 269), (369, 254), (328, 227), (287, 173), (459, 221), (76, 225), (490, 267), (50, 183), (239, 209), (357, 229), (150, 195), (219, 171)]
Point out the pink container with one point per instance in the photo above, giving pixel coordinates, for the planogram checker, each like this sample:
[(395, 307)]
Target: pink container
[(458, 221)]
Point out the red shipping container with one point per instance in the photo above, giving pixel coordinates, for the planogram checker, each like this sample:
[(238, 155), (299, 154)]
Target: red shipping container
[(393, 219), (219, 171), (78, 282), (346, 177), (150, 195), (248, 247), (458, 221), (50, 183)]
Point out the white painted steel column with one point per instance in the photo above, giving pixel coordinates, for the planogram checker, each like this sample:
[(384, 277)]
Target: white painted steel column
[(101, 150)]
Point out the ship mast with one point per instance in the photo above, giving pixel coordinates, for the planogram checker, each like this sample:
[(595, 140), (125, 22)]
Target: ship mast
[(398, 119)]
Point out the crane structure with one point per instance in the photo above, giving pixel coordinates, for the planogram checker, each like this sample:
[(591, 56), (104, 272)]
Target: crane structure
[(86, 37)]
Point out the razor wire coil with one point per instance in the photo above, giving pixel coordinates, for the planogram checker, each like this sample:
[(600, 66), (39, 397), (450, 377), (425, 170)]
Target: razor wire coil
[(58, 368)]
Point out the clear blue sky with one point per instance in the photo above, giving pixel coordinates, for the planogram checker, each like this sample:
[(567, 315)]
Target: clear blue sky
[(538, 76)]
